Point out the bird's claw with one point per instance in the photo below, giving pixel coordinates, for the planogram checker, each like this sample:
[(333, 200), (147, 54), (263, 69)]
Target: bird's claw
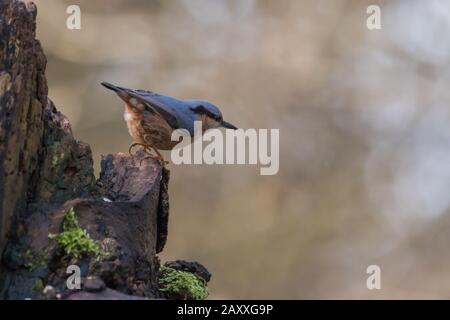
[(147, 149)]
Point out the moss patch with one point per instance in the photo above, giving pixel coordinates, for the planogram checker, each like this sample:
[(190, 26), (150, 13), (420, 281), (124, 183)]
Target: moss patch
[(74, 240), (35, 260), (182, 283), (38, 286)]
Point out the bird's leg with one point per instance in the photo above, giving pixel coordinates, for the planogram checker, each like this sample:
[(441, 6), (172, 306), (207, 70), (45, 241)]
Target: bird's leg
[(158, 157), (147, 149), (134, 144), (148, 157)]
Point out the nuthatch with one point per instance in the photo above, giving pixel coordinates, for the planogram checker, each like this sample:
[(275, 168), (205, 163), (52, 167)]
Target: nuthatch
[(151, 118)]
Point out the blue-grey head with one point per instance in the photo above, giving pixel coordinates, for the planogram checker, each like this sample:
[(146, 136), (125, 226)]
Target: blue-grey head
[(209, 113)]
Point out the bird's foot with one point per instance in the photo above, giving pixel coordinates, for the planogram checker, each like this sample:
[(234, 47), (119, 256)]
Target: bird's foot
[(148, 150), (158, 157), (134, 144)]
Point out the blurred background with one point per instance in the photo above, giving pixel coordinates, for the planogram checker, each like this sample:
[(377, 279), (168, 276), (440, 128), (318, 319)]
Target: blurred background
[(364, 133)]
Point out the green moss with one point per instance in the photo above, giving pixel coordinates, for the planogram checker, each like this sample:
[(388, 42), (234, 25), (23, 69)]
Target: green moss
[(182, 283), (74, 240), (35, 260), (38, 285), (58, 155), (55, 160)]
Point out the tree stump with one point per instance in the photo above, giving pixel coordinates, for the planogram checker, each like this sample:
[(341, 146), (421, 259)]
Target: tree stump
[(45, 172)]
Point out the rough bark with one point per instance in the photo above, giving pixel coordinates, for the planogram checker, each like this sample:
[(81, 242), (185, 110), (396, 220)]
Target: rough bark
[(44, 171)]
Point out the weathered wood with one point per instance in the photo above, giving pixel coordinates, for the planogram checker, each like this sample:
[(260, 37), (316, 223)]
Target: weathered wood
[(44, 171), (23, 95)]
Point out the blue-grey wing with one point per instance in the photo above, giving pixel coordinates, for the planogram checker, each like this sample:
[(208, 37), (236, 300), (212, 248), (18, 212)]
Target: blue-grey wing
[(157, 103), (174, 109)]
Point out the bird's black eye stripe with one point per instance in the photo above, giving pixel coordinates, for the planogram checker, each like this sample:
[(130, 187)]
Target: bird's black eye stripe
[(213, 116), (202, 110)]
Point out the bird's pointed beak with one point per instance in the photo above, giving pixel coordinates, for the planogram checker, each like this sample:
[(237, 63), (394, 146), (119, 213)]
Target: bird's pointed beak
[(228, 125)]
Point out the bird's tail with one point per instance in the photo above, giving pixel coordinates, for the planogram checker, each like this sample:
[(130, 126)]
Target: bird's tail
[(113, 87), (124, 93)]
